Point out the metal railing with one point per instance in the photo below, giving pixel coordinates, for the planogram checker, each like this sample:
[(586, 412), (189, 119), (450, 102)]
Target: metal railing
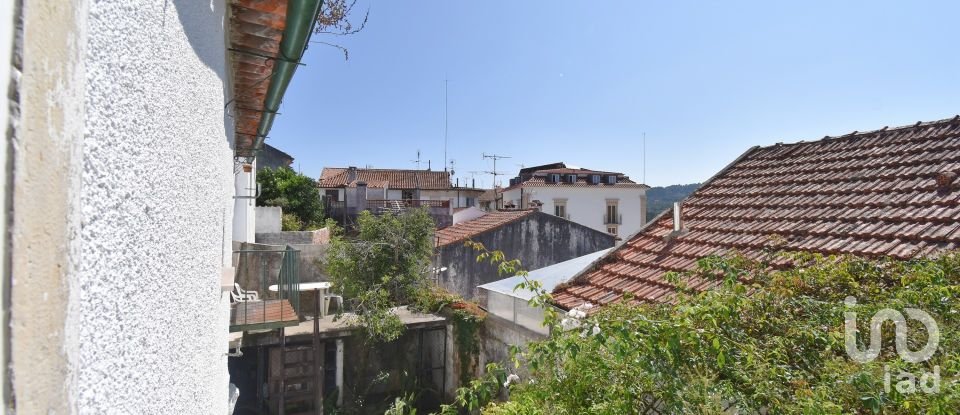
[(373, 204), (257, 306), (612, 219)]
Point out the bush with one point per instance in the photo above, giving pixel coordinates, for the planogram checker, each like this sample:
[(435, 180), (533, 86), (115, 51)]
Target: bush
[(290, 222), (775, 345)]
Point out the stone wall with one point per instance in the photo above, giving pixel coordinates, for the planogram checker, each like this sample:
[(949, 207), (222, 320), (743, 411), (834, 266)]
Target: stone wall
[(537, 240)]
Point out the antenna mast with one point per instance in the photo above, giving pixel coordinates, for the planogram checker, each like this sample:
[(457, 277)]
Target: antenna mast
[(495, 173), (417, 160), (644, 158), (445, 123)]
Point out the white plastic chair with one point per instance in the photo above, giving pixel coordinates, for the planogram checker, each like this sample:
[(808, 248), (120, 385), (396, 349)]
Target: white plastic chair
[(240, 295)]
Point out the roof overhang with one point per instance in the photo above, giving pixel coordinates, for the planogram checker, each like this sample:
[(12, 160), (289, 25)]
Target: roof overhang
[(267, 41)]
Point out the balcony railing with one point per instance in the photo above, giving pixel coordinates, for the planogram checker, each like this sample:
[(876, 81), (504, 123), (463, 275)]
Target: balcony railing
[(612, 219), (406, 203), (268, 295)]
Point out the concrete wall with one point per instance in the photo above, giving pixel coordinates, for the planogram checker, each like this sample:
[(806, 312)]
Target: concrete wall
[(496, 337), (588, 205), (268, 219), (537, 240), (122, 209)]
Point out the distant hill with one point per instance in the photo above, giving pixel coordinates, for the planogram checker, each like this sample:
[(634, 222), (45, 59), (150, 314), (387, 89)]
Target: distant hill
[(661, 198)]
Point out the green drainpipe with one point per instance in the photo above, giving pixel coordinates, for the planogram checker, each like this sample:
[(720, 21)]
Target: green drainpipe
[(301, 16)]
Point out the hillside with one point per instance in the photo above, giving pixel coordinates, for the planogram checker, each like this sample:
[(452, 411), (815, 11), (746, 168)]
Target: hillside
[(661, 198)]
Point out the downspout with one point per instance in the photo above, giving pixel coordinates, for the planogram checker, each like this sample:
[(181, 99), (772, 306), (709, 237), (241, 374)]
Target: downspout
[(301, 16)]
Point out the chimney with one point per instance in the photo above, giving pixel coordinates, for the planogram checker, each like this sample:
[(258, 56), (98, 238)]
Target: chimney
[(351, 174), (677, 224), (359, 202), (677, 217)]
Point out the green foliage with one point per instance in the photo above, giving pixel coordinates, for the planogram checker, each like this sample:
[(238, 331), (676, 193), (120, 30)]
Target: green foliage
[(661, 198), (773, 343), (384, 266), (296, 193), (290, 222), (478, 393)]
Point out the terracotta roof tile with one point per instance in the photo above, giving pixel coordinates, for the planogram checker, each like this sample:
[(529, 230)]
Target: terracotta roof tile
[(470, 228), (871, 194), (332, 177)]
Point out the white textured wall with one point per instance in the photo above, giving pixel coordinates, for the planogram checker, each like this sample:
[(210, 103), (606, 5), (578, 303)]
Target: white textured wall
[(268, 219), (157, 181), (588, 205)]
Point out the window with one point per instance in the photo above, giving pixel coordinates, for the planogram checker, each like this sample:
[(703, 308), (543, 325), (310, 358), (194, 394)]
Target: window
[(471, 201), (333, 195), (612, 230), (560, 208), (613, 215), (553, 178), (406, 195), (571, 178), (611, 179), (595, 179)]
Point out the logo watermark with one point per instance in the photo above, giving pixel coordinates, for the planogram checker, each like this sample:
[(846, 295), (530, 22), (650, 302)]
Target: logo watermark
[(907, 383)]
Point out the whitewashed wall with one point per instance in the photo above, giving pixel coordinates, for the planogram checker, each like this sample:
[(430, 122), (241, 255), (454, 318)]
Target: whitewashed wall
[(588, 205)]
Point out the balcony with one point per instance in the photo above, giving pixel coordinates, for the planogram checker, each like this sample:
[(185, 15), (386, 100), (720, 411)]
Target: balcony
[(255, 306), (616, 219), (346, 213)]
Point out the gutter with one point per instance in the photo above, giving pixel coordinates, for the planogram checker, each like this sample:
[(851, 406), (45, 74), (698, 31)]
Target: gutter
[(301, 18)]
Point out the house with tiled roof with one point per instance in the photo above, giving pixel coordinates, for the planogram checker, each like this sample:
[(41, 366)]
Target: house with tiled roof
[(603, 200), (892, 192), (535, 238), (396, 184)]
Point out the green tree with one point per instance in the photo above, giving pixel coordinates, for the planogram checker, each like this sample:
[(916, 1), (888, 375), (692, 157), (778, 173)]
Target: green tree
[(386, 265), (296, 193)]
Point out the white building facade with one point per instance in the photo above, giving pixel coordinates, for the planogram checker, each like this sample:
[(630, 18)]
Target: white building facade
[(605, 201)]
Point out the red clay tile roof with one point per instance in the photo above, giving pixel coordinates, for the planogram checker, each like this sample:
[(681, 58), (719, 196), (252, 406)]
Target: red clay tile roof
[(332, 177), (567, 170), (538, 178), (468, 229), (582, 181), (256, 27), (870, 194)]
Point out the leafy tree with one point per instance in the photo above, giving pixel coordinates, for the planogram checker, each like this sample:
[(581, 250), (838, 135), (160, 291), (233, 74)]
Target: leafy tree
[(384, 266), (296, 193)]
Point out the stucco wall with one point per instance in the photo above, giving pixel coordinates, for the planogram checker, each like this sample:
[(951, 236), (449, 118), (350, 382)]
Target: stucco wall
[(157, 210), (157, 181), (122, 213), (537, 240)]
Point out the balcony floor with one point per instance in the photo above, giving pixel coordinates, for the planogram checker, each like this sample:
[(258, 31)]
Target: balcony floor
[(262, 315)]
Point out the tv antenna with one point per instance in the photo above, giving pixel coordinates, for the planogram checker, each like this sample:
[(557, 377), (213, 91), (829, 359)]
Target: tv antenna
[(452, 171), (495, 173), (417, 160)]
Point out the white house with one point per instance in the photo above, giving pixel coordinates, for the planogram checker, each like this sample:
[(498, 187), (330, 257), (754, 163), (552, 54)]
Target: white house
[(396, 184), (606, 201)]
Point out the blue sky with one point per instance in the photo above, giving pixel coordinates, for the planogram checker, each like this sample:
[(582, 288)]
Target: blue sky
[(582, 81)]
